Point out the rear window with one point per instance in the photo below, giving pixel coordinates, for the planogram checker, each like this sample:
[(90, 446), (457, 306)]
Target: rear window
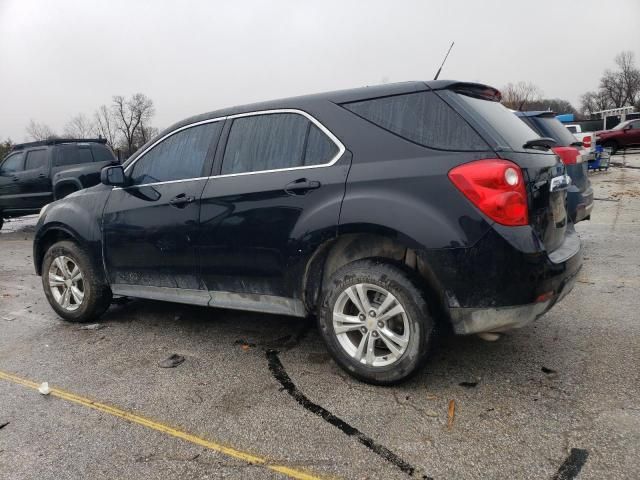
[(422, 118), (551, 127), (504, 122)]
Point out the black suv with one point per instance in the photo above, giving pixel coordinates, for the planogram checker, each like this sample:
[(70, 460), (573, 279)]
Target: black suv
[(575, 158), (34, 174), (381, 210)]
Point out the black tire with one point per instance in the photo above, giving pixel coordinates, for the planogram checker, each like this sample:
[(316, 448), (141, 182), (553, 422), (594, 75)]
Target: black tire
[(97, 294), (613, 145), (65, 190), (396, 281), (1, 221)]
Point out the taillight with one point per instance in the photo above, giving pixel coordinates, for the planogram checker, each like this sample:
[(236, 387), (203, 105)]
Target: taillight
[(586, 141), (496, 187), (568, 155)]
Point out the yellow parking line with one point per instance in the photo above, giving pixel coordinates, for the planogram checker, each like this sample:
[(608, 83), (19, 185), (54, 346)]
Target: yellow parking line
[(174, 432)]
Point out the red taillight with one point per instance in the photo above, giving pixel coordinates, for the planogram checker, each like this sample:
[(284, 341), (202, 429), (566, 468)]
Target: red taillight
[(586, 141), (568, 155), (496, 187)]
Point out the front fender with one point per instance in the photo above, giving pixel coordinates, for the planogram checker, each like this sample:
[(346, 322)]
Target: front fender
[(78, 217)]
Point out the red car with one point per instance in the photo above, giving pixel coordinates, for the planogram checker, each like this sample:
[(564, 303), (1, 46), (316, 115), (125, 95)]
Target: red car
[(623, 135)]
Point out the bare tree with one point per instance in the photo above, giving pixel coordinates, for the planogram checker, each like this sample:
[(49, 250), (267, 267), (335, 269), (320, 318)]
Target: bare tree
[(105, 125), (594, 101), (5, 148), (557, 105), (518, 96), (79, 127), (39, 131), (130, 115), (618, 88)]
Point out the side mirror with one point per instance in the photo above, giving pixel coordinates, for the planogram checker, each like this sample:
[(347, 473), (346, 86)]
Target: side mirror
[(628, 127), (113, 176)]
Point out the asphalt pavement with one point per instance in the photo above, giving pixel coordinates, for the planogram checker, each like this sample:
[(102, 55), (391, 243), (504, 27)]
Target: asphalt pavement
[(257, 396)]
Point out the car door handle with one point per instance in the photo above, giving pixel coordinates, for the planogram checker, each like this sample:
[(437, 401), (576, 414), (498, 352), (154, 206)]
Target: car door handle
[(15, 179), (42, 175), (301, 186), (181, 201)]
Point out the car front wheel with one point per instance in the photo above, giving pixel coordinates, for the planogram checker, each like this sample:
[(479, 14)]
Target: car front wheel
[(375, 322), (72, 284)]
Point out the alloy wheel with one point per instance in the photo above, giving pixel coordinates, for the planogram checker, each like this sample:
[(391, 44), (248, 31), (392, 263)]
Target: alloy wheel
[(66, 283), (371, 325)]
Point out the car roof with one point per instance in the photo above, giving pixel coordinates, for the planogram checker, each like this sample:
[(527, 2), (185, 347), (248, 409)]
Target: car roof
[(337, 96), (57, 141)]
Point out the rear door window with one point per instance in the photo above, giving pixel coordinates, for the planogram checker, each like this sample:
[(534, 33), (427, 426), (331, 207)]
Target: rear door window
[(178, 157), (275, 141), (13, 163), (66, 155), (422, 118), (36, 160)]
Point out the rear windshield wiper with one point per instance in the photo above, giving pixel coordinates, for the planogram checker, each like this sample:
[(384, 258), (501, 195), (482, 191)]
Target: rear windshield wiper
[(542, 143)]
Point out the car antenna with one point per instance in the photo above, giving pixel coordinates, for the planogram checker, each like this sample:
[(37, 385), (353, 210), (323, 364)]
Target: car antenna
[(445, 59)]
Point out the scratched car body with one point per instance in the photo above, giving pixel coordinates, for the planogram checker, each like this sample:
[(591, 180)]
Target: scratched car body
[(383, 211)]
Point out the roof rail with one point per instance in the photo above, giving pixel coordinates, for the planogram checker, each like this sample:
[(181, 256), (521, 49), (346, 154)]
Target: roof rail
[(56, 141)]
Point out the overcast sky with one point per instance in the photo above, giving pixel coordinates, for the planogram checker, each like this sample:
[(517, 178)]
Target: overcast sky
[(59, 58)]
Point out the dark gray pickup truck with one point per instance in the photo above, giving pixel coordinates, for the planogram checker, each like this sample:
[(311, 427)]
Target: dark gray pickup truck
[(37, 173)]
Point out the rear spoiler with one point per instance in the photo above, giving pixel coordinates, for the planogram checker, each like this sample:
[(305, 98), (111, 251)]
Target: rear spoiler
[(476, 90)]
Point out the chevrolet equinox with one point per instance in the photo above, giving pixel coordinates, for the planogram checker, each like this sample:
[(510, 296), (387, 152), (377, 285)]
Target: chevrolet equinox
[(379, 210)]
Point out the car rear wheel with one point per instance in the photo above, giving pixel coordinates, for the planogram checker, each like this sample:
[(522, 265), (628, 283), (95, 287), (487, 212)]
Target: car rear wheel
[(1, 221), (375, 322), (72, 284)]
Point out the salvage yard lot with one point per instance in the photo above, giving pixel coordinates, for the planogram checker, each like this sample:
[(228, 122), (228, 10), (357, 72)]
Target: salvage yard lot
[(552, 399)]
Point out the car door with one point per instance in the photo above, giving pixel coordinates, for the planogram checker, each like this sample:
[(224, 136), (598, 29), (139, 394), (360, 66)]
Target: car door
[(9, 188), (276, 197), (34, 182), (632, 134), (149, 226)]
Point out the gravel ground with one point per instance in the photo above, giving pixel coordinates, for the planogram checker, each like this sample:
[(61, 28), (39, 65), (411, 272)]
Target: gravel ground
[(563, 391)]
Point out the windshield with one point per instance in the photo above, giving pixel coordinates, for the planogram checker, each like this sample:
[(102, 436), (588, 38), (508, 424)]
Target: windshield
[(514, 132), (551, 127)]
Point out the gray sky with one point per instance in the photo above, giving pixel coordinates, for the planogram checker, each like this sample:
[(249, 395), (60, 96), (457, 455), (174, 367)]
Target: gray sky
[(60, 58)]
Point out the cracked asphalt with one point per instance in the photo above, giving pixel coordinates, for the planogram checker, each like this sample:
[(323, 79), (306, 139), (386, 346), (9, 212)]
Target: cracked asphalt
[(569, 381)]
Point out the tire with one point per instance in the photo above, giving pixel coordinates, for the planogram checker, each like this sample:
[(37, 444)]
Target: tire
[(613, 145), (1, 221), (96, 294), (65, 190), (414, 326)]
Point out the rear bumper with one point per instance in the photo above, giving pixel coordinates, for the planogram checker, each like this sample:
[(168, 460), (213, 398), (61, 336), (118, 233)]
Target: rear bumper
[(466, 321), (506, 280)]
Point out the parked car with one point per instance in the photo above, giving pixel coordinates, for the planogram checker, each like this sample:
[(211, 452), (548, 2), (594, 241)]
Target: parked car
[(586, 137), (381, 210), (623, 135), (573, 155), (34, 174)]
